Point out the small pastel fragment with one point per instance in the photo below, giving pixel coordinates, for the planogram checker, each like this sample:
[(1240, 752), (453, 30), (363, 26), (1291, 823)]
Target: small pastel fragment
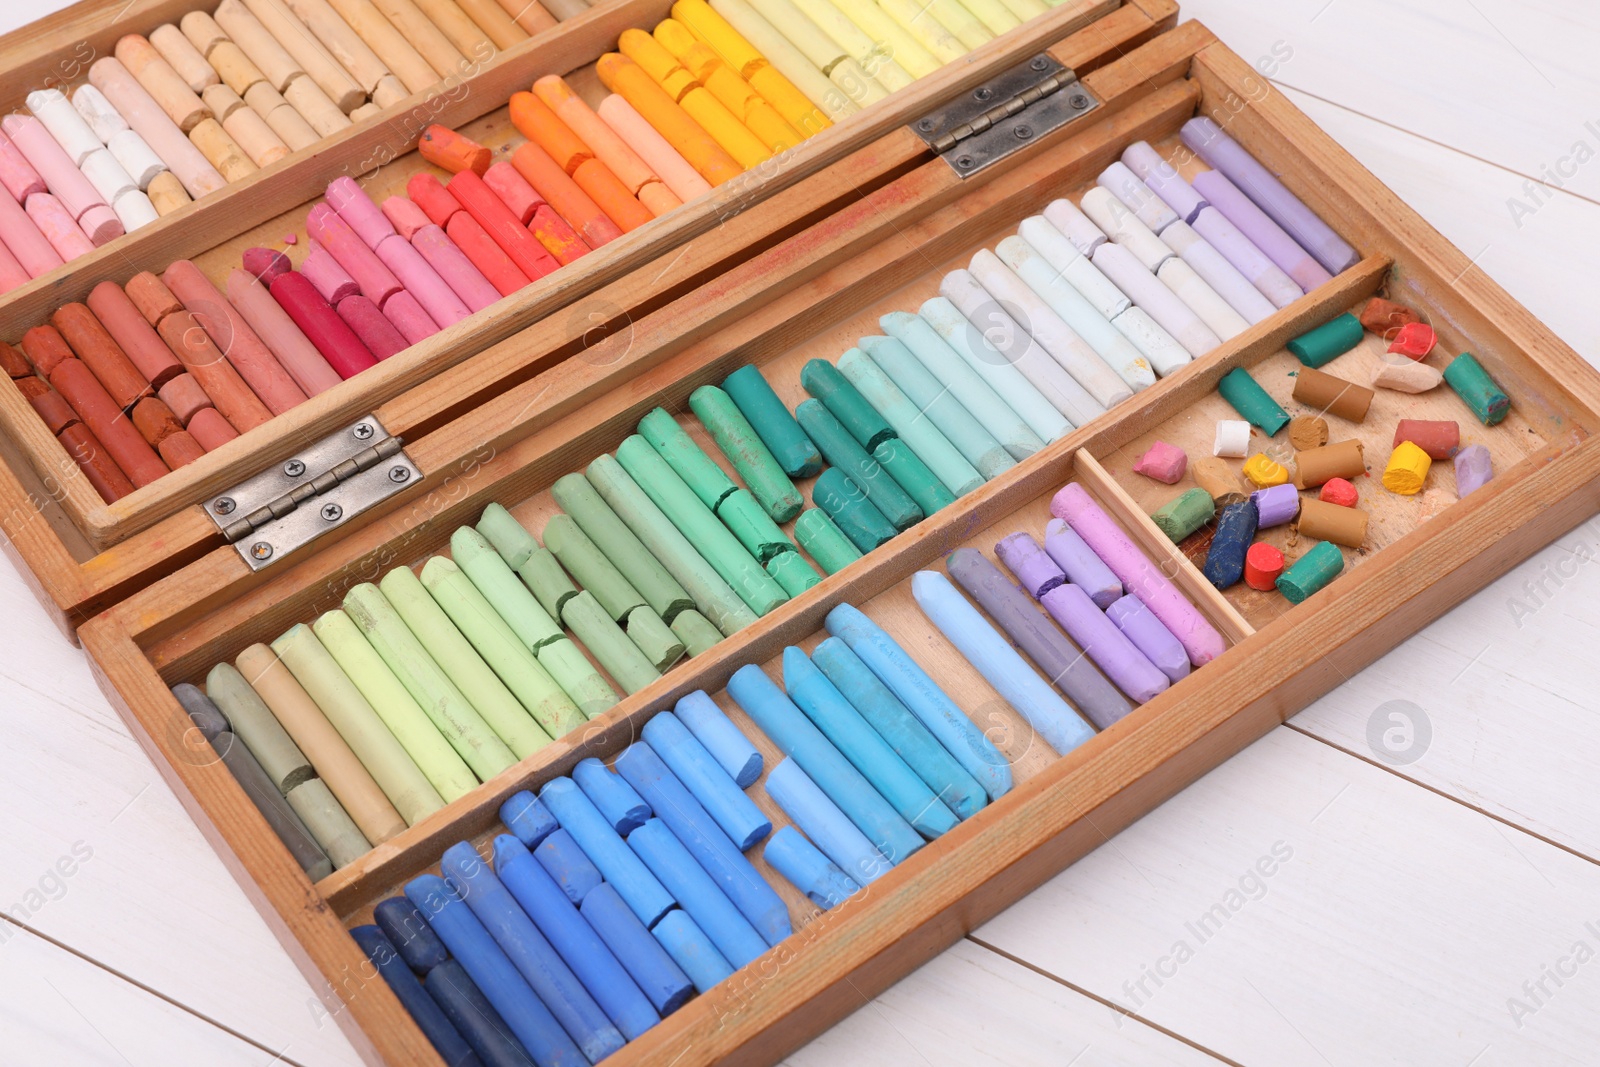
[(1474, 386), (1332, 339), (1263, 564), (1384, 317), (1236, 529), (1184, 514), (1232, 440), (1307, 432), (1276, 505), (1339, 491), (1434, 501), (1311, 572), (1404, 376), (1163, 462), (1474, 468), (1414, 341), (1407, 470), (1264, 471)]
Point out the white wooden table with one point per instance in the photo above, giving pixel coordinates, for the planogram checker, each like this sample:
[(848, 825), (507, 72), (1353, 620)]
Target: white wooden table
[(1444, 910)]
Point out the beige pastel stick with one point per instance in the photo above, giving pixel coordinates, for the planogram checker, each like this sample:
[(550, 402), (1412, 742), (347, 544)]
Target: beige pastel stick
[(388, 92), (307, 51), (202, 31), (224, 153), (529, 14), (235, 68), (161, 82), (455, 24), (365, 111), (257, 42), (493, 20), (167, 193), (250, 130), (332, 758), (566, 9), (150, 122), (280, 116), (222, 101), (184, 57), (424, 36), (396, 53), (322, 114), (341, 42)]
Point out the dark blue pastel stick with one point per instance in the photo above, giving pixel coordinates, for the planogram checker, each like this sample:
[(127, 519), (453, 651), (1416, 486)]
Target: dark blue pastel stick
[(615, 798), (697, 894), (493, 973), (474, 1017), (687, 944), (572, 937), (530, 820), (641, 955), (807, 869), (1236, 528), (703, 776), (424, 1011), (410, 934), (706, 842), (572, 869), (617, 863), (726, 742), (549, 978)]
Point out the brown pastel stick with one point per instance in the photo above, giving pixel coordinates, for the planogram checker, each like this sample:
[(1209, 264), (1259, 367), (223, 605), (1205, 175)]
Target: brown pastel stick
[(429, 41), (493, 20), (181, 54), (1333, 395), (203, 32), (13, 362), (95, 462), (152, 297), (1322, 521), (45, 348), (101, 354), (1384, 317), (222, 151), (185, 397), (100, 413), (238, 73), (1318, 465), (314, 59), (280, 116), (320, 113), (228, 392), (249, 355), (1439, 438), (210, 429), (155, 421), (459, 28), (1307, 432), (161, 81), (179, 449), (258, 43), (133, 334), (1218, 479), (50, 405)]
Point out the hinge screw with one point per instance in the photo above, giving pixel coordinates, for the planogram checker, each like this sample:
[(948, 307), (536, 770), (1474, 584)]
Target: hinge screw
[(332, 512), (1040, 63), (261, 550), (399, 474), (926, 125), (362, 431), (1023, 132), (964, 162), (224, 505), (982, 92), (1078, 101), (294, 468)]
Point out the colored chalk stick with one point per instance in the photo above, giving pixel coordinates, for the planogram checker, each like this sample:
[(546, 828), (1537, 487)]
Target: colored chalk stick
[(941, 406), (1031, 564), (620, 545), (750, 523), (778, 430), (1318, 347), (660, 979), (1311, 572), (824, 382), (527, 818), (1149, 636), (608, 642), (846, 504), (423, 1009), (820, 819), (793, 573), (912, 475), (692, 950), (1184, 514), (249, 717), (624, 809), (508, 536), (698, 471), (700, 772), (328, 822), (591, 568), (410, 934), (1246, 396), (821, 537), (565, 862), (206, 716), (923, 697), (807, 869), (695, 631), (470, 1012), (706, 904), (924, 438), (580, 818), (1104, 643), (542, 573), (1236, 529), (748, 453), (694, 827), (724, 741), (1476, 389)]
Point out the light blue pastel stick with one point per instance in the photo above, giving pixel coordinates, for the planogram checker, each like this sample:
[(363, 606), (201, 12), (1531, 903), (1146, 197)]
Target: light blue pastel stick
[(580, 818), (641, 955), (923, 697), (572, 937), (564, 861), (547, 974), (703, 776), (1051, 717), (697, 894), (968, 342), (726, 742), (941, 407), (487, 965), (700, 834), (624, 809), (692, 950), (807, 869), (859, 743), (904, 732), (914, 428), (773, 711), (809, 808), (530, 820)]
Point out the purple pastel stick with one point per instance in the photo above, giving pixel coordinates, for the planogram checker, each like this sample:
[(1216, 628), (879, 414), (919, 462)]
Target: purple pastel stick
[(423, 282), (1473, 469), (1034, 569), (458, 272), (408, 316), (1083, 568), (1268, 278), (358, 211), (325, 274), (1214, 146), (1150, 636), (1128, 668), (1261, 230), (1163, 178), (1276, 505)]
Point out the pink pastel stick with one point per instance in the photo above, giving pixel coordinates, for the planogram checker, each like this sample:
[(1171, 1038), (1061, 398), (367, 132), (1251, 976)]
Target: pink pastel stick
[(67, 183), (210, 429), (377, 281), (11, 272), (513, 189), (369, 324), (247, 352), (101, 224), (423, 282), (274, 326), (22, 236), (148, 120), (409, 318), (1138, 575), (17, 174), (356, 208), (458, 272), (324, 272), (405, 216), (55, 222)]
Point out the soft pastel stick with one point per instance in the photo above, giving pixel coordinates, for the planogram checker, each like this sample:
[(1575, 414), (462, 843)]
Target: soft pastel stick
[(24, 240), (1149, 636), (1104, 643), (413, 939), (711, 159), (377, 331), (147, 118), (622, 807), (842, 69), (660, 979), (737, 95), (725, 742), (567, 173), (565, 862), (740, 442), (287, 343), (324, 272), (679, 176), (842, 451), (923, 437), (777, 428), (1160, 302), (808, 869), (67, 183), (423, 1009), (378, 283), (987, 455), (246, 350), (95, 407), (580, 818), (11, 272), (1082, 566), (56, 224), (491, 213), (767, 42), (692, 950), (1024, 557), (820, 819), (1260, 229), (527, 818), (470, 1012), (17, 174), (680, 87), (321, 324), (723, 798), (410, 322), (100, 353), (71, 132), (467, 233), (695, 890), (454, 266), (606, 145)]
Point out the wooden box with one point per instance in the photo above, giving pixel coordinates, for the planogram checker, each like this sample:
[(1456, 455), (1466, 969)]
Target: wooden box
[(808, 293)]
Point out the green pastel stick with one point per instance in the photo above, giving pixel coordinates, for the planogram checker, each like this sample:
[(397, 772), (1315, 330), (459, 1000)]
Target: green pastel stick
[(912, 475), (461, 663), (749, 454), (543, 573), (429, 686), (651, 636), (940, 406), (912, 426), (583, 560), (588, 688), (1252, 402), (822, 380), (508, 536), (504, 591), (793, 572), (410, 725), (330, 825), (698, 470), (254, 724), (713, 597), (695, 631), (1311, 572), (642, 570), (511, 660), (1185, 513), (824, 541), (841, 450), (320, 675), (1473, 385), (763, 410), (607, 642), (847, 505), (750, 523), (697, 522), (1322, 345)]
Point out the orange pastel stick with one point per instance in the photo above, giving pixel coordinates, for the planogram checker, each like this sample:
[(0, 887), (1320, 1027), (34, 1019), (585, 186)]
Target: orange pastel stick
[(534, 120), (630, 82), (444, 147), (558, 238), (620, 206), (633, 172), (706, 110), (563, 194)]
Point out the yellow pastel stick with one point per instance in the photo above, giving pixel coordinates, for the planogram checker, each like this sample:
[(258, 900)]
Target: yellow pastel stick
[(706, 110), (734, 92), (955, 17), (785, 57), (888, 37), (994, 15), (856, 44), (646, 99), (713, 30), (929, 32), (1407, 470), (1025, 9)]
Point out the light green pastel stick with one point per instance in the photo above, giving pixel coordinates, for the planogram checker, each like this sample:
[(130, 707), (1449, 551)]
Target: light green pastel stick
[(608, 643), (653, 637), (330, 825), (793, 572), (822, 538), (543, 574), (968, 342), (929, 396), (417, 734), (698, 470), (583, 560), (500, 647), (508, 536), (750, 523), (695, 631), (749, 454), (259, 729), (622, 547), (427, 682), (524, 555), (914, 428), (320, 675)]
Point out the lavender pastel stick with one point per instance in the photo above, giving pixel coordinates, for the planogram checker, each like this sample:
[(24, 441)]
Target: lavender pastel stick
[(1260, 230), (1268, 278), (1473, 468), (1164, 180), (1276, 505), (1083, 568), (1032, 565), (1138, 197), (1108, 646), (1150, 636)]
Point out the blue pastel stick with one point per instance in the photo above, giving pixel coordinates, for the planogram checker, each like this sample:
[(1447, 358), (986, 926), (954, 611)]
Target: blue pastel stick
[(700, 834), (410, 934), (726, 742), (571, 936), (859, 743), (424, 1011), (580, 818), (807, 869), (617, 801), (703, 776), (551, 980), (809, 808), (564, 861), (904, 732), (530, 820), (470, 1012), (493, 973), (791, 731), (697, 894), (997, 659), (641, 955), (689, 946), (922, 695)]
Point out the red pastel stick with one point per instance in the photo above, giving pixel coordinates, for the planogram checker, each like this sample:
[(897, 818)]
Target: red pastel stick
[(321, 324), (492, 214)]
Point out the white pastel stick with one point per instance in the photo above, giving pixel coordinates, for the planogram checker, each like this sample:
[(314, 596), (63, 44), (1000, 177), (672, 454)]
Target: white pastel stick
[(105, 120), (1163, 351), (1192, 289), (1232, 440), (1176, 317), (1218, 273), (109, 178), (1271, 280), (1138, 197), (1077, 227), (1124, 227), (1076, 355), (1070, 262), (57, 114), (135, 210), (136, 157), (988, 358)]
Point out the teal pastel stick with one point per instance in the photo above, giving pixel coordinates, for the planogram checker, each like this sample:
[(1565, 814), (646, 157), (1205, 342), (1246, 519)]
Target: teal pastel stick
[(773, 711), (821, 537), (705, 778), (749, 454), (842, 451), (846, 504), (726, 742), (912, 475), (769, 416), (822, 380), (922, 695), (939, 406), (692, 950), (807, 869), (1476, 389), (910, 424), (580, 818), (698, 895), (820, 819), (793, 573), (1253, 403), (698, 470), (565, 862), (624, 809), (866, 750)]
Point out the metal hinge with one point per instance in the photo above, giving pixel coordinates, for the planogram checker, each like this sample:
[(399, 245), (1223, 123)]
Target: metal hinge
[(321, 488), (1006, 113)]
